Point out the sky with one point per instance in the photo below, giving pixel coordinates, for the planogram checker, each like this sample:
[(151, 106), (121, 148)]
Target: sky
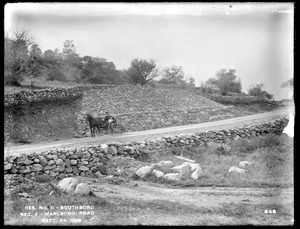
[(256, 39)]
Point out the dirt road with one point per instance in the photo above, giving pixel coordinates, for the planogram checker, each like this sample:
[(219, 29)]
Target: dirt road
[(211, 202), (146, 135), (200, 197)]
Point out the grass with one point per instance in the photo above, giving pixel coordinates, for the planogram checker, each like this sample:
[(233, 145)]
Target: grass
[(271, 155), (273, 167)]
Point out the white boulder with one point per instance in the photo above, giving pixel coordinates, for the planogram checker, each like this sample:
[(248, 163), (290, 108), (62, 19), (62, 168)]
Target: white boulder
[(197, 173), (143, 171), (182, 169), (68, 184), (82, 189), (158, 173), (236, 169), (104, 147), (173, 176), (193, 166), (163, 165), (244, 163)]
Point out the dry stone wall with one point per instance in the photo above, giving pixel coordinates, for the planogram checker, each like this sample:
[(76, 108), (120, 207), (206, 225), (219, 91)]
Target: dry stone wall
[(237, 99), (87, 161), (135, 107)]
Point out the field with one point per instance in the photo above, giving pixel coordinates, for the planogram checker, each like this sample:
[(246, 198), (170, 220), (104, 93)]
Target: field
[(262, 196)]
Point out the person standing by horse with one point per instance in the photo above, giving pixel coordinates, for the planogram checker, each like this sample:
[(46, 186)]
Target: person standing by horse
[(110, 120)]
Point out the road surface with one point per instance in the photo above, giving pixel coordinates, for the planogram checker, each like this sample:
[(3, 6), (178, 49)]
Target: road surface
[(146, 135)]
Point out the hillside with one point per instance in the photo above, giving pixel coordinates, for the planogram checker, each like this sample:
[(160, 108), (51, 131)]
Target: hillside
[(135, 107), (127, 99)]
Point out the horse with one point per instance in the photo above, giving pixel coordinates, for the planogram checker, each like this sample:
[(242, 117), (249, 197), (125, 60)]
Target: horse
[(94, 123)]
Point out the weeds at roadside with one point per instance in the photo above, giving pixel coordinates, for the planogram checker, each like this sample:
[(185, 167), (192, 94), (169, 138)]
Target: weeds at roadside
[(271, 157)]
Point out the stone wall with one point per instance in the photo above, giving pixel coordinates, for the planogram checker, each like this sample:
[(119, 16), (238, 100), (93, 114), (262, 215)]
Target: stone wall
[(234, 100), (138, 121), (86, 161), (135, 107)]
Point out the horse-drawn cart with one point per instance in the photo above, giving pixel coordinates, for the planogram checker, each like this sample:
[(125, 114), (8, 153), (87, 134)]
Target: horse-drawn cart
[(97, 123)]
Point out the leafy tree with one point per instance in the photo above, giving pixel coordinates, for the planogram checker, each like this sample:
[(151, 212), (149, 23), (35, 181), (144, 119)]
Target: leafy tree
[(72, 63), (205, 88), (68, 49), (226, 81), (257, 90), (175, 75), (53, 60), (16, 56), (36, 62), (142, 71)]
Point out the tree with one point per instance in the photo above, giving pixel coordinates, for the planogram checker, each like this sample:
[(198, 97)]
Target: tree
[(36, 64), (142, 71), (72, 63), (53, 61), (257, 90), (16, 56), (99, 70), (289, 84), (69, 49), (225, 81), (175, 75)]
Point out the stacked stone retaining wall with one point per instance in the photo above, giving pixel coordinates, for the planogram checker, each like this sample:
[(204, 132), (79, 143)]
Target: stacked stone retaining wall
[(135, 107), (86, 161)]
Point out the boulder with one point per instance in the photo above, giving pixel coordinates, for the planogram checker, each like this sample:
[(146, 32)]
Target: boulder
[(236, 169), (193, 166), (36, 167), (163, 165), (68, 170), (143, 171), (182, 169), (112, 150), (68, 184), (244, 163), (237, 137), (104, 147), (99, 174), (59, 162), (28, 162), (82, 189), (128, 149), (51, 162), (8, 166), (197, 173), (173, 176), (158, 173), (83, 168), (59, 169), (73, 162), (25, 170)]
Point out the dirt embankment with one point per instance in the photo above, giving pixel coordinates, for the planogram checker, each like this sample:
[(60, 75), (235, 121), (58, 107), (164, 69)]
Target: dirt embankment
[(43, 121)]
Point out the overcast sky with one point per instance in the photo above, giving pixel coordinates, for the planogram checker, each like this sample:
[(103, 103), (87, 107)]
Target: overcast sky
[(256, 39)]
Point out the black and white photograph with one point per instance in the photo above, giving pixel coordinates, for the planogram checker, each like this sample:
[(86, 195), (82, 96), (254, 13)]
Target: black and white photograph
[(149, 114)]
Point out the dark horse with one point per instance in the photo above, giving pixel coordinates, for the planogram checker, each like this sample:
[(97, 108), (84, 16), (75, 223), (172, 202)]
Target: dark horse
[(96, 122)]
